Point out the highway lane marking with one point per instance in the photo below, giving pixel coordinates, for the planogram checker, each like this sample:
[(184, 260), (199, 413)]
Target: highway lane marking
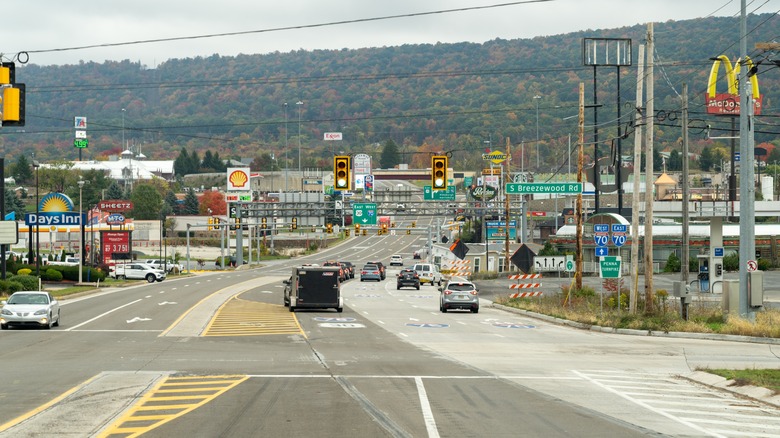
[(45, 406), (667, 402), (425, 405), (239, 317), (101, 315), (171, 398)]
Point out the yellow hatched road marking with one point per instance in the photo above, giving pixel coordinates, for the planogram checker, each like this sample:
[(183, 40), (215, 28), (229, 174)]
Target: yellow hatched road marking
[(238, 317), (128, 426)]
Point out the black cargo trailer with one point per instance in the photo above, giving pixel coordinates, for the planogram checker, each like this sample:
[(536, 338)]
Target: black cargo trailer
[(315, 287)]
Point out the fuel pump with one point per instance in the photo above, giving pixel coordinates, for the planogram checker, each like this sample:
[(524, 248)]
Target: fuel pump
[(704, 272)]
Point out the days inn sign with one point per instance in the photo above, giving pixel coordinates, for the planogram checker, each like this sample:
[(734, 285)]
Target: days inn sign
[(55, 209)]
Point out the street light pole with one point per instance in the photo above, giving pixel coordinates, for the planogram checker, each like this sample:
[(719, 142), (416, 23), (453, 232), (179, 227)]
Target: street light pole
[(123, 128), (37, 165), (300, 105), (81, 226), (536, 98), (286, 146)]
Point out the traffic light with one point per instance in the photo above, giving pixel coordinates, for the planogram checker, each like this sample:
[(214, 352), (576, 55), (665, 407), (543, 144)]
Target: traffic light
[(210, 223), (384, 228), (329, 228), (346, 232), (439, 172), (408, 231), (263, 223), (357, 228), (13, 96), (294, 223), (414, 224), (342, 172)]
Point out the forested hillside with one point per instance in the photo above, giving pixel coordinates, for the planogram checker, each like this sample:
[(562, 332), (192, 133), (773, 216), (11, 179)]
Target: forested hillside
[(444, 97)]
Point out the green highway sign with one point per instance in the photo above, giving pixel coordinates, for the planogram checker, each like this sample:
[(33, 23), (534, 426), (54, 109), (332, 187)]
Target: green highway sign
[(609, 267), (439, 195), (564, 188), (364, 214), (570, 266)]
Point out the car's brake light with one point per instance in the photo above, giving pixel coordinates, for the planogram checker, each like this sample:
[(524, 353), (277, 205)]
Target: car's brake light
[(473, 292), (448, 292)]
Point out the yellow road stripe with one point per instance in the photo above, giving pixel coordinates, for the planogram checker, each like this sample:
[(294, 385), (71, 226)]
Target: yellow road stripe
[(43, 407), (148, 400), (238, 317)]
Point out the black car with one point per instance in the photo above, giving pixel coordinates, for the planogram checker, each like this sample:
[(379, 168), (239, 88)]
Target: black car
[(408, 278), (350, 268), (381, 267)]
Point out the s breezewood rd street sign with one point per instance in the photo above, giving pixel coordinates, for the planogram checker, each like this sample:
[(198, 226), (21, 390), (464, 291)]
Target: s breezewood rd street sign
[(566, 188)]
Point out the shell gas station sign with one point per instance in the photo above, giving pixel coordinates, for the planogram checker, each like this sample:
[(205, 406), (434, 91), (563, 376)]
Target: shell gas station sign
[(238, 179)]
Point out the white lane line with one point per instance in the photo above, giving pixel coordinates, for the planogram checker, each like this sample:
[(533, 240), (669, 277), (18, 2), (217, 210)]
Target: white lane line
[(380, 321), (430, 422), (649, 407), (101, 315)]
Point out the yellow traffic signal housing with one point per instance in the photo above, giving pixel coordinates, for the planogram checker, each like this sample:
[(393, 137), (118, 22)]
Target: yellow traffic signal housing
[(13, 105), (357, 228), (346, 232), (294, 223), (342, 172), (414, 224), (408, 231), (7, 73), (439, 172), (330, 228), (210, 223), (263, 223), (12, 95)]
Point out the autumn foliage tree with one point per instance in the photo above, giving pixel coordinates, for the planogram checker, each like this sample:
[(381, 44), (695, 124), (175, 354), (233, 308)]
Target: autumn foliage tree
[(214, 201)]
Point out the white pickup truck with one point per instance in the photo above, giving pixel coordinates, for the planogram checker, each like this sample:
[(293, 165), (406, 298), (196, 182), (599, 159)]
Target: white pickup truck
[(162, 265), (136, 271)]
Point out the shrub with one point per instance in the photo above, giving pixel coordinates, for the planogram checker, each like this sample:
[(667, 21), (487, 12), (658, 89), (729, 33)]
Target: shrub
[(28, 282), (731, 262), (24, 271), (51, 275), (764, 265), (673, 263)]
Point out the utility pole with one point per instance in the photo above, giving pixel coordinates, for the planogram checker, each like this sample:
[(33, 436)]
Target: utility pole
[(648, 243), (637, 173), (578, 210), (747, 188), (506, 206), (685, 193)]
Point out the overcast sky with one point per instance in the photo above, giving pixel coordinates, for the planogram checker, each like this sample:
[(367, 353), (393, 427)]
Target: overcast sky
[(47, 28)]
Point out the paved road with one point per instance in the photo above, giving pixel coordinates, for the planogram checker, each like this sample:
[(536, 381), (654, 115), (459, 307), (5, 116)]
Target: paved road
[(217, 355)]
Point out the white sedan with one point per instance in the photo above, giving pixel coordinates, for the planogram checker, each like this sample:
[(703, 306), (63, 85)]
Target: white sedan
[(36, 308)]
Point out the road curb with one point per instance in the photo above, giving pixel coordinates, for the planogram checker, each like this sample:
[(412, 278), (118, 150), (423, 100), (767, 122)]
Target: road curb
[(714, 381)]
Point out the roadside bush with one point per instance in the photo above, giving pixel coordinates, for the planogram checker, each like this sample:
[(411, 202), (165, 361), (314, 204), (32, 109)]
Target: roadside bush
[(51, 275), (28, 282), (7, 287), (731, 262), (764, 265), (24, 271), (673, 263)]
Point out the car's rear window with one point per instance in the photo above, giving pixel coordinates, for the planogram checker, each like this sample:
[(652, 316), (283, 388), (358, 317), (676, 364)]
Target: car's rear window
[(460, 287), (370, 268)]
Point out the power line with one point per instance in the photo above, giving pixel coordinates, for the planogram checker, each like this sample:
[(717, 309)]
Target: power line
[(285, 28)]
